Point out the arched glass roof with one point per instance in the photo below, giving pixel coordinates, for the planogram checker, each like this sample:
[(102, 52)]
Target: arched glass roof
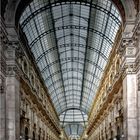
[(71, 41), (73, 116), (73, 121), (74, 130)]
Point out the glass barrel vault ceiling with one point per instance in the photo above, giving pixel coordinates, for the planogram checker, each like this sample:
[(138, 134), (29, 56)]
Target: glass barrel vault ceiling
[(71, 42)]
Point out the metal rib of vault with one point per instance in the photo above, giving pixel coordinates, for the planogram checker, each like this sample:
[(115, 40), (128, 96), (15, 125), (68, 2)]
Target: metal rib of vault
[(71, 42)]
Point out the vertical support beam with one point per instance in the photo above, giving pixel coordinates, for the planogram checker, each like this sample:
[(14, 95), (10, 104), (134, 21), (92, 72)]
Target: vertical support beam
[(130, 109), (129, 49), (138, 79), (130, 106), (12, 95)]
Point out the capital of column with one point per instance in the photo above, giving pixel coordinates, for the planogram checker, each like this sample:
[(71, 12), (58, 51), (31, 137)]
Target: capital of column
[(127, 47), (128, 56), (12, 68), (14, 50)]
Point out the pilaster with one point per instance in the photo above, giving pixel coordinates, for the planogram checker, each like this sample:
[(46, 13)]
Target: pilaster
[(138, 79), (12, 94), (138, 104), (129, 72), (130, 107)]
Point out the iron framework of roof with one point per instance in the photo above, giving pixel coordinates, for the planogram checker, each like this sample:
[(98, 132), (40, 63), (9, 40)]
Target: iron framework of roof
[(71, 41)]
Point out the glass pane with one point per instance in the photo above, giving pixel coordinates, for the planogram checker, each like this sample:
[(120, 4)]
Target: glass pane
[(71, 43)]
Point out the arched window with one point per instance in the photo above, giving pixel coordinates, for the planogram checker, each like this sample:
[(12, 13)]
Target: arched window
[(117, 66), (106, 136), (43, 135), (32, 80), (25, 67), (111, 78), (26, 133), (111, 135), (33, 135), (106, 87), (39, 137), (38, 88), (118, 133)]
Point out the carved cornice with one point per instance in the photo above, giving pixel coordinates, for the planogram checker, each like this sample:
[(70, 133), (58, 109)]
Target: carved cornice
[(126, 47), (128, 53), (129, 38), (129, 68), (11, 53)]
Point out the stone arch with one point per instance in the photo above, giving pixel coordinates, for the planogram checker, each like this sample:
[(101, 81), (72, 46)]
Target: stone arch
[(130, 9), (10, 11)]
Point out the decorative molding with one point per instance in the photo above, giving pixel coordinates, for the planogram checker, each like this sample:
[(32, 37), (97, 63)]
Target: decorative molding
[(2, 84), (3, 65), (13, 70), (128, 68)]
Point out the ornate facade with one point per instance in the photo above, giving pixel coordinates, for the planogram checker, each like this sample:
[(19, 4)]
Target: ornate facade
[(114, 114), (26, 108)]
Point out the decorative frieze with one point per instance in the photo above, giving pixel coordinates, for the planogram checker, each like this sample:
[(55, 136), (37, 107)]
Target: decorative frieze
[(128, 57)]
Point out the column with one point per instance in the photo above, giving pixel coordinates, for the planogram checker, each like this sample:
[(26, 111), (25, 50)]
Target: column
[(138, 78), (12, 95), (139, 104), (130, 106), (129, 75)]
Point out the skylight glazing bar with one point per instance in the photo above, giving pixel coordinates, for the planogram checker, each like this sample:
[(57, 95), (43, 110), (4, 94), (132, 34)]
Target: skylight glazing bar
[(79, 40), (69, 27), (71, 42), (57, 51), (104, 32), (42, 46), (82, 87)]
